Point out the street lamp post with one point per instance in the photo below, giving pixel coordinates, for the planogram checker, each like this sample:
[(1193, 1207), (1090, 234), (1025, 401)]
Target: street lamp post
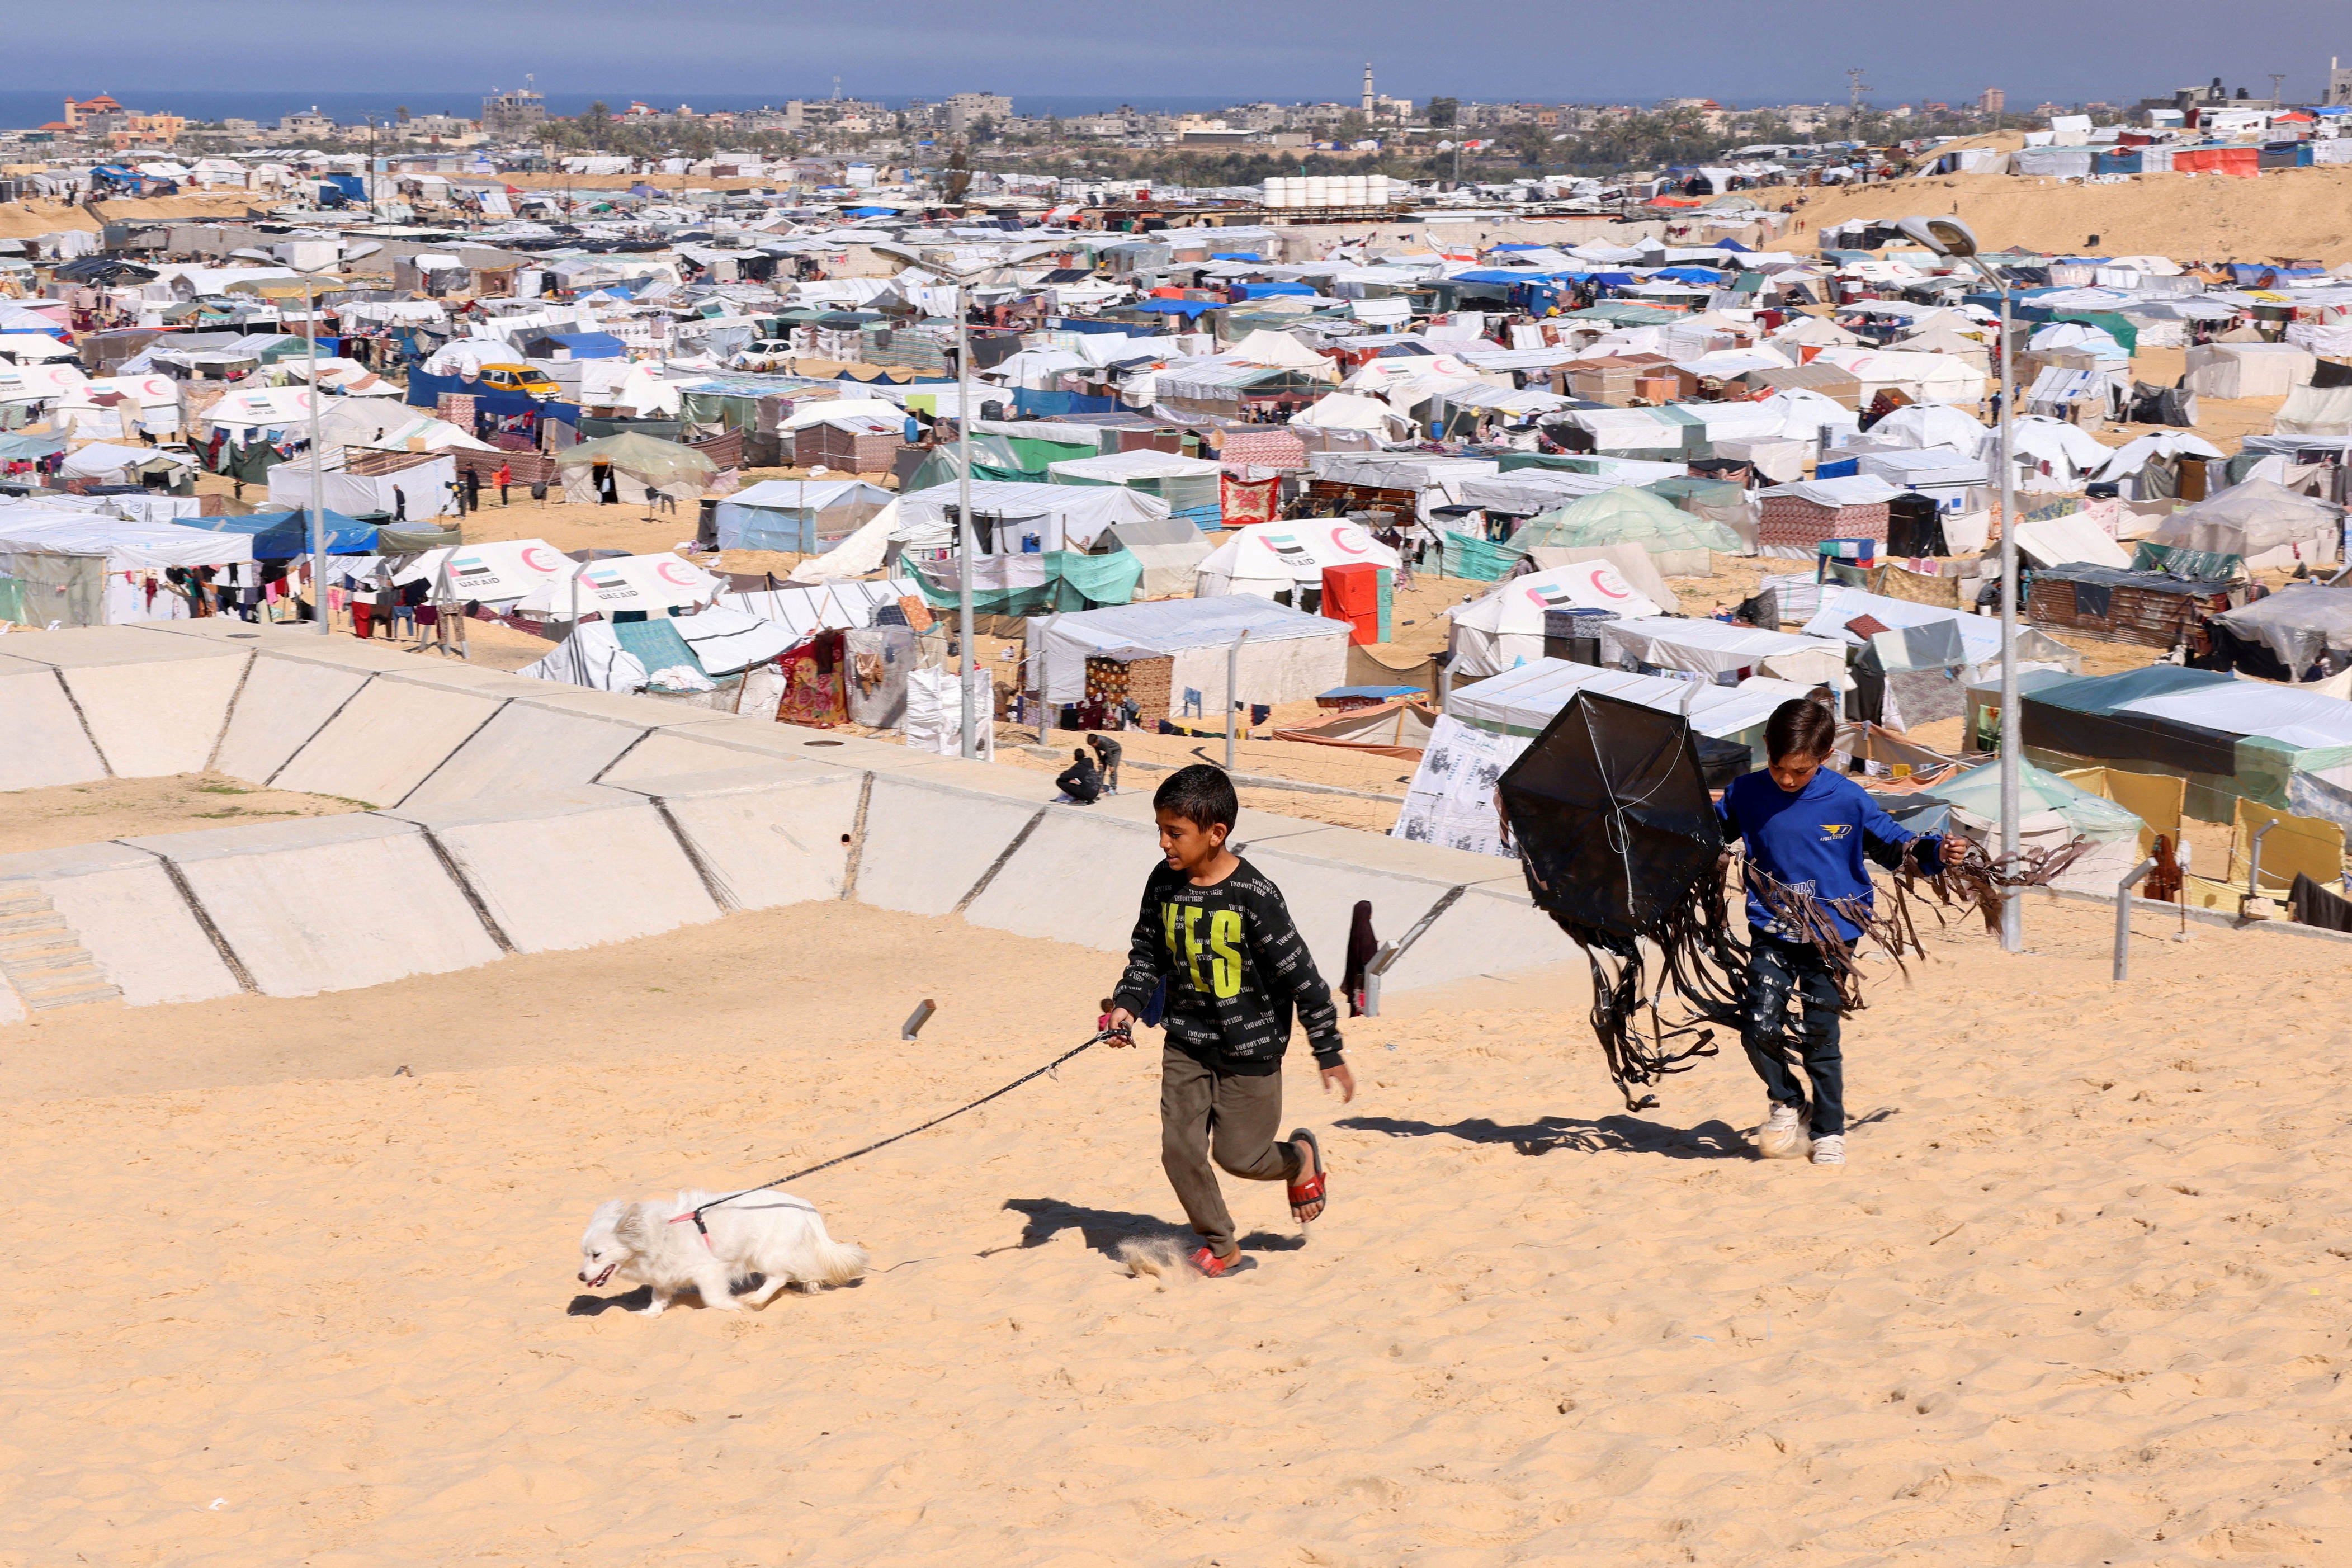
[(1948, 236), (971, 747), (318, 458)]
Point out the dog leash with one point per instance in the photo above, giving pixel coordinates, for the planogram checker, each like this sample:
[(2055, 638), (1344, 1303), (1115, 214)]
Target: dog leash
[(695, 1215)]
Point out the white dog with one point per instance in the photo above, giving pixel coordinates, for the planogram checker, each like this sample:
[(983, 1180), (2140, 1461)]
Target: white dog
[(769, 1233)]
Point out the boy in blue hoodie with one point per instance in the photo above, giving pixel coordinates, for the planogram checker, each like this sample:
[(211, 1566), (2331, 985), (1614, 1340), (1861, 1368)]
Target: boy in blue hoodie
[(1805, 828)]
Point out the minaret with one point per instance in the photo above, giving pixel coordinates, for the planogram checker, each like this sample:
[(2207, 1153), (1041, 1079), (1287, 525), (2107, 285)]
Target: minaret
[(1368, 90)]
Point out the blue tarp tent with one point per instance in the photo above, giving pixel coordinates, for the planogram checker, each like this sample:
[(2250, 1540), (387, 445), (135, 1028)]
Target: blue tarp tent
[(277, 535), (583, 345)]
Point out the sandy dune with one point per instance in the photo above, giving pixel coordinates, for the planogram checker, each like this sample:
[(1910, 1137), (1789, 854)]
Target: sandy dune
[(2077, 1300)]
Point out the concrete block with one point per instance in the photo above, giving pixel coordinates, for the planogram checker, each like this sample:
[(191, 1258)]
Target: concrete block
[(1322, 895), (1489, 930), (768, 835), (574, 869), (139, 931), (525, 749), (926, 846), (1360, 847), (158, 718), (384, 742), (1078, 879), (41, 741), (644, 712), (329, 903), (86, 648), (285, 702)]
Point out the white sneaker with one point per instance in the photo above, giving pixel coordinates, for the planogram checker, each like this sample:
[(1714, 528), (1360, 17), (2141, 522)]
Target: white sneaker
[(1829, 1151), (1782, 1136)]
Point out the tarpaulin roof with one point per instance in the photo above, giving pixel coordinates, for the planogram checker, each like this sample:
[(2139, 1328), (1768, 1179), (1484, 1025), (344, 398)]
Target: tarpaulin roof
[(656, 462), (1626, 515)]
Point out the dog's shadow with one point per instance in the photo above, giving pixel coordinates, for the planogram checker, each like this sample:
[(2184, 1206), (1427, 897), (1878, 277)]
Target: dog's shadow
[(636, 1300), (1105, 1229)]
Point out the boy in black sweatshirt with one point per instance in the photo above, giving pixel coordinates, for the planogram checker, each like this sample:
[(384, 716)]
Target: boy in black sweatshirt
[(1216, 933)]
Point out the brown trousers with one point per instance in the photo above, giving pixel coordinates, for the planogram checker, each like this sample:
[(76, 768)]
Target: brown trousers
[(1205, 1114)]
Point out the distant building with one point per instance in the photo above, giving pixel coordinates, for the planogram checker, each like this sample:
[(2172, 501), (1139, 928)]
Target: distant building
[(77, 111), (2339, 83), (963, 111), (514, 116), (308, 124), (1992, 100)]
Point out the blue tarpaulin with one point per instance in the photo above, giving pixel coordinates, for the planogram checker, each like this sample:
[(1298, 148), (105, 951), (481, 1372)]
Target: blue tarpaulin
[(277, 535), (1180, 307)]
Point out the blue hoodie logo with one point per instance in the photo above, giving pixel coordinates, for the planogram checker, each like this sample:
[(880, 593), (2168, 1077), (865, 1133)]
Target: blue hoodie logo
[(1833, 831)]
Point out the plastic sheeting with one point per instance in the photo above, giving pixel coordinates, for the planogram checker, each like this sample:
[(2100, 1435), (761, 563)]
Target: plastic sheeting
[(1268, 558), (2299, 623), (1625, 515), (1504, 629), (1288, 656), (1063, 517)]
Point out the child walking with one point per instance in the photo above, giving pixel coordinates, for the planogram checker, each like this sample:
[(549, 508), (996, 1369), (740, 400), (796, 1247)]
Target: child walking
[(1805, 829), (1216, 933)]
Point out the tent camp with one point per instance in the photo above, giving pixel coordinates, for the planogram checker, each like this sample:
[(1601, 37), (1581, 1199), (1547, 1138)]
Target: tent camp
[(639, 466), (1523, 700), (2248, 370), (1353, 411), (1678, 541), (1505, 628), (805, 516), (823, 606), (1922, 378), (85, 570), (1274, 559), (1717, 650), (1288, 656), (1191, 486), (416, 492)]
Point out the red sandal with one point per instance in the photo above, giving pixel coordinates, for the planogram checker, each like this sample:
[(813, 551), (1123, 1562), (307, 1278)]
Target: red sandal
[(1310, 1191), (1212, 1267)]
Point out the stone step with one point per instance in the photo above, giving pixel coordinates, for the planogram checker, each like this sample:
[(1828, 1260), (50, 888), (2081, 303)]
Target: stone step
[(31, 924), (72, 996), (24, 903), (12, 964)]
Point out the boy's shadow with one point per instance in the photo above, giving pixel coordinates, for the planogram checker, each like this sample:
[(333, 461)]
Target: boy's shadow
[(1105, 1229)]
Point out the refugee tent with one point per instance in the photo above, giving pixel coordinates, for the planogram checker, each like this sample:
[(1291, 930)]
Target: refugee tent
[(2228, 737), (1924, 425), (1717, 650), (2315, 410), (1288, 656), (2248, 370), (2262, 523), (1637, 565), (2125, 463), (1192, 486), (823, 606), (2053, 455), (1678, 540), (85, 570), (1020, 518), (2299, 624), (1170, 548), (1521, 701), (281, 535), (1922, 378), (494, 573), (1279, 559), (2053, 813), (1503, 628), (1398, 728), (423, 491), (639, 466), (2070, 537), (1353, 411), (801, 515), (653, 585), (108, 464), (1030, 583)]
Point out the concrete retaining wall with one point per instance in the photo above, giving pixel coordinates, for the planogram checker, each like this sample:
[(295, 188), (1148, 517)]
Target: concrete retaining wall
[(516, 817)]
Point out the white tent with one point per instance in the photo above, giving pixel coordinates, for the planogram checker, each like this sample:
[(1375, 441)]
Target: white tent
[(1505, 627), (839, 607), (2053, 455), (115, 464), (1716, 648), (1060, 517), (863, 552), (498, 572), (1265, 347), (1126, 468), (1923, 425), (2248, 370), (1923, 378), (1270, 558), (423, 489), (127, 546), (2069, 539), (1523, 700), (1287, 657), (654, 584), (2264, 524), (1351, 411), (2126, 461)]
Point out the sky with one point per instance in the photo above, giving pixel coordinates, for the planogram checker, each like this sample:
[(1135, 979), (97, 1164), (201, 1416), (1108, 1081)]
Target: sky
[(1734, 51)]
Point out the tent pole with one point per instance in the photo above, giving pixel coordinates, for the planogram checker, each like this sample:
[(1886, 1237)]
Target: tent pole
[(1233, 686), (317, 476), (2012, 909), (963, 517)]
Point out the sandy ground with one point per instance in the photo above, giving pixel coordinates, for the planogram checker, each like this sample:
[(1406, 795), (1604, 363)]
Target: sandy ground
[(2285, 214), (91, 813), (2079, 1298)]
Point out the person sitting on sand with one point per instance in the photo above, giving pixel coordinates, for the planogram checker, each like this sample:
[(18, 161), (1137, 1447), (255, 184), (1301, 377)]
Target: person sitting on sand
[(1805, 826), (1217, 934)]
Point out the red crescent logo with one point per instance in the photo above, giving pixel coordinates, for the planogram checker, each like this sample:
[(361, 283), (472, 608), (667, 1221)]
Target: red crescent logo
[(1341, 540), (671, 572), (1600, 585), (530, 558)]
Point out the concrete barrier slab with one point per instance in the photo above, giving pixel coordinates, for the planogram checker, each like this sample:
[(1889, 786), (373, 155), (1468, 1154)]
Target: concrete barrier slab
[(157, 717), (384, 742), (1322, 895), (1360, 847), (124, 908), (283, 703), (523, 750), (1078, 879), (926, 846), (1488, 930), (329, 903), (42, 742), (86, 646), (769, 835), (572, 870), (645, 713)]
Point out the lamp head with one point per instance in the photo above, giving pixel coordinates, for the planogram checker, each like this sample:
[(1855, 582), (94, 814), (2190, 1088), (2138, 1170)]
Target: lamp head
[(1944, 235)]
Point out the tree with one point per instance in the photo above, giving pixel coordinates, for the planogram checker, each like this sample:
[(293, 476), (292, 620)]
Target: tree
[(1444, 112)]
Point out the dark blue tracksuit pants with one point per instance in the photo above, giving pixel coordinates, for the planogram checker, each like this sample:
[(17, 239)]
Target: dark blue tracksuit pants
[(1776, 968)]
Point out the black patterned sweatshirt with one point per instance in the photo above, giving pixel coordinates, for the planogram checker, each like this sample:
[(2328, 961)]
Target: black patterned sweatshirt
[(1235, 966)]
